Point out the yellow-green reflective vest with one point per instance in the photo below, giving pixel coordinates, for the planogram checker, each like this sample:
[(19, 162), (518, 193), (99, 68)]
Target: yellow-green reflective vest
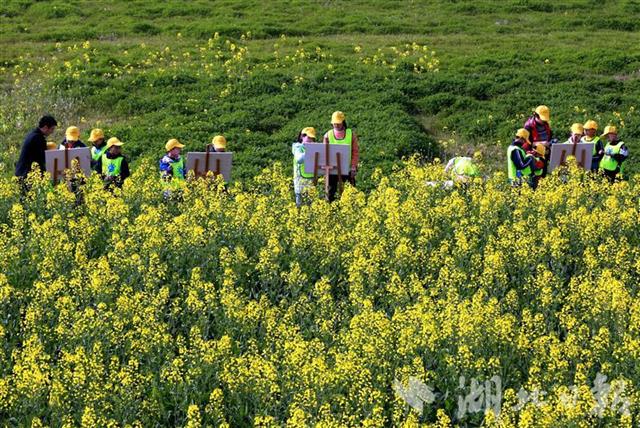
[(178, 175), (464, 166), (512, 171), (97, 153), (299, 167), (608, 162), (111, 167), (348, 134), (594, 141)]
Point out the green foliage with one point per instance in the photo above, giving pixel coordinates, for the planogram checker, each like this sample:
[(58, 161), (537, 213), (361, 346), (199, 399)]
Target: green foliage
[(497, 61)]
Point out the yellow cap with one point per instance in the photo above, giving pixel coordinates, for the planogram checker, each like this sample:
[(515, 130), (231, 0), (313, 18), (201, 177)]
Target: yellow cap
[(51, 145), (609, 129), (337, 117), (219, 142), (577, 128), (523, 133), (540, 148), (543, 112), (309, 131), (172, 144), (96, 134), (113, 141), (72, 133), (591, 124)]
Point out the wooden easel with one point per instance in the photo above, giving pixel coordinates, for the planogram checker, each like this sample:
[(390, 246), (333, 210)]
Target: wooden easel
[(582, 162), (207, 156), (561, 151), (327, 170), (57, 171)]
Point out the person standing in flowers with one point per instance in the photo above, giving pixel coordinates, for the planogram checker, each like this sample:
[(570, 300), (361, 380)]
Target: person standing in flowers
[(34, 146), (590, 130), (520, 165), (538, 125), (615, 153), (219, 143), (301, 179), (540, 133), (98, 145), (112, 165), (71, 139), (342, 134), (172, 167)]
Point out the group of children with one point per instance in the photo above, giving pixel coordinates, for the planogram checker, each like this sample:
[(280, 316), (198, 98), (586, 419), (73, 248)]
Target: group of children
[(108, 161), (340, 133), (529, 153)]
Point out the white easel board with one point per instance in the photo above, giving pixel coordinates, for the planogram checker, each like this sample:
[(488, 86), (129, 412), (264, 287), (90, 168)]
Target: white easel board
[(57, 161), (216, 162), (583, 152), (341, 151)]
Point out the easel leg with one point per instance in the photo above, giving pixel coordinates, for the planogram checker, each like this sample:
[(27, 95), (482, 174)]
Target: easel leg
[(340, 181)]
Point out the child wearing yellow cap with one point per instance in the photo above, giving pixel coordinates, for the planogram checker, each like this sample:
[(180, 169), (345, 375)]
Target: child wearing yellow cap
[(301, 180), (98, 145), (577, 131), (615, 153), (112, 165), (71, 139), (538, 125), (520, 165), (172, 167), (590, 130)]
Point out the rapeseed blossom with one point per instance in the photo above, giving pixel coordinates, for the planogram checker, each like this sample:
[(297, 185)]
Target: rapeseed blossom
[(234, 307)]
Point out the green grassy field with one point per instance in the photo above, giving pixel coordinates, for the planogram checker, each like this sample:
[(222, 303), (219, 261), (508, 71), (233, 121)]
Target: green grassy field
[(148, 72)]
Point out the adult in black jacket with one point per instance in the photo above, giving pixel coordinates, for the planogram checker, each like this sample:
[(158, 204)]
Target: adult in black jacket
[(34, 146)]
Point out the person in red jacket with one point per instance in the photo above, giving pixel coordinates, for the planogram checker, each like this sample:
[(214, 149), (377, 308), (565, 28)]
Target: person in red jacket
[(540, 132), (538, 125)]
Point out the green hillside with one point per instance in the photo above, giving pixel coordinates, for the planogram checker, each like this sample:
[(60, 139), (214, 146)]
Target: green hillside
[(149, 71)]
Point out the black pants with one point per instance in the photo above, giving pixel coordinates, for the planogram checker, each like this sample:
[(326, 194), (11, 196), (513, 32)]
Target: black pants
[(611, 175), (333, 185)]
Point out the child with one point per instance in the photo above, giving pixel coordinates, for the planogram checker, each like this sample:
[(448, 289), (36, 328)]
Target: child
[(172, 167), (112, 165), (72, 139), (301, 180)]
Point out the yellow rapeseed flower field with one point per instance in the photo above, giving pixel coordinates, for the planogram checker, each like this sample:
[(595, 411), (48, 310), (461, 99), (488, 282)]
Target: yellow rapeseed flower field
[(235, 308)]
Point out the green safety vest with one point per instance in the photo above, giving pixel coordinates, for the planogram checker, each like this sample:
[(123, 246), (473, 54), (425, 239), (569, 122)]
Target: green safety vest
[(512, 171), (111, 167), (300, 168), (594, 141), (464, 166), (96, 153), (178, 175), (348, 136), (608, 162)]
